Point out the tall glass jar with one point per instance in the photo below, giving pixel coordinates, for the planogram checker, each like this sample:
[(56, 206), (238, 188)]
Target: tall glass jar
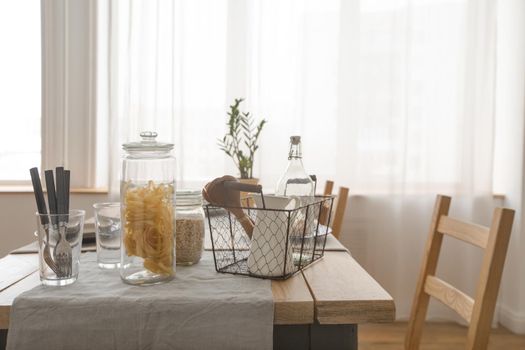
[(190, 227), (147, 196), (295, 181)]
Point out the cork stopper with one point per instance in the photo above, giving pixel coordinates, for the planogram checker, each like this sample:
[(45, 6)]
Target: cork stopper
[(295, 140)]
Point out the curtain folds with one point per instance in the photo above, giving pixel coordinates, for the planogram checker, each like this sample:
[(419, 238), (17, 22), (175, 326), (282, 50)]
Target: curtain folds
[(394, 99)]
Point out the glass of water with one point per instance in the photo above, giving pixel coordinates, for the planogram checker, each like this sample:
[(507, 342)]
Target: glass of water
[(107, 228)]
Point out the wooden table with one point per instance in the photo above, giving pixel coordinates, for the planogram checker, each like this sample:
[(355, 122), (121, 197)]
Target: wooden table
[(318, 308)]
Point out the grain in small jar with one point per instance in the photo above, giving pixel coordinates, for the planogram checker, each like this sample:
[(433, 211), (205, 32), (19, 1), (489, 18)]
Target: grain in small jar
[(189, 227)]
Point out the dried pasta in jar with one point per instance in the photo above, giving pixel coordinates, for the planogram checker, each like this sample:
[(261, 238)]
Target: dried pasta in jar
[(149, 226)]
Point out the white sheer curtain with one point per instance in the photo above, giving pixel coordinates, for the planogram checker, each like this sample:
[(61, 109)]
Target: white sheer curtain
[(393, 98)]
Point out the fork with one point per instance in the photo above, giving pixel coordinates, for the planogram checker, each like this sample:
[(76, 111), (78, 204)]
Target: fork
[(53, 225), (41, 205), (47, 255), (63, 252)]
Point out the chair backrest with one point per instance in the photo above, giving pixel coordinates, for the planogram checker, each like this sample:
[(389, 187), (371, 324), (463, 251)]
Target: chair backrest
[(340, 208), (478, 312)]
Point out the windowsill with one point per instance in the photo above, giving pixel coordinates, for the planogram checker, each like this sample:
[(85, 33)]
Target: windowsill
[(104, 190), (29, 189)]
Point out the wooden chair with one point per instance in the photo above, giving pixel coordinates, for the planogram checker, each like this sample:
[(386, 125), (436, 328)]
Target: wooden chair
[(337, 220), (478, 312)]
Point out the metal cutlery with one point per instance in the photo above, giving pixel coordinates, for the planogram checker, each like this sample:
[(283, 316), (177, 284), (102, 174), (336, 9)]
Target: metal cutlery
[(62, 252), (41, 205), (53, 210)]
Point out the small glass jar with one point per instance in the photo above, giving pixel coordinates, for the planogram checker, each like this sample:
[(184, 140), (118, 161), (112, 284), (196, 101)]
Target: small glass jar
[(147, 196), (190, 227)]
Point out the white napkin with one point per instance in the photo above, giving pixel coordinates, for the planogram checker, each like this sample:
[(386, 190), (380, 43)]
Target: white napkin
[(270, 251)]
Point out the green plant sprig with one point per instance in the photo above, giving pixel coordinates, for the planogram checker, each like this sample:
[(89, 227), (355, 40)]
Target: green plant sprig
[(242, 134)]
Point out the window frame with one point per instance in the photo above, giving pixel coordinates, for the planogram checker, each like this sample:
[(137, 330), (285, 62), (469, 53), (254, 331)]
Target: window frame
[(69, 77)]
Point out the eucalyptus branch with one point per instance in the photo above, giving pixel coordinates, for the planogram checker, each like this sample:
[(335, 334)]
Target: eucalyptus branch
[(240, 143)]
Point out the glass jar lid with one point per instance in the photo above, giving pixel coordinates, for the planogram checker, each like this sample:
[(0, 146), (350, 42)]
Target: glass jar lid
[(189, 198), (148, 144)]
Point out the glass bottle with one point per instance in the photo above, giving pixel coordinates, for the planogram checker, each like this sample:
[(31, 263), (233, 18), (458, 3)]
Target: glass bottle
[(190, 227), (295, 181), (147, 196)]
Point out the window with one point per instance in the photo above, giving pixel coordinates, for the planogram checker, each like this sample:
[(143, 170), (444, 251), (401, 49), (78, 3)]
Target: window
[(20, 90)]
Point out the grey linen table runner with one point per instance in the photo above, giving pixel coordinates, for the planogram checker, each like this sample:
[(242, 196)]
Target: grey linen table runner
[(199, 309)]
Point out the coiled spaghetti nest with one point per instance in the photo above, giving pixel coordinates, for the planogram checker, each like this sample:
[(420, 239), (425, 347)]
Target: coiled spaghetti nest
[(149, 226)]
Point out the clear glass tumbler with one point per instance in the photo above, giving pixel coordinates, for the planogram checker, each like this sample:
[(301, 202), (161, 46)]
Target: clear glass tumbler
[(72, 228), (107, 229)]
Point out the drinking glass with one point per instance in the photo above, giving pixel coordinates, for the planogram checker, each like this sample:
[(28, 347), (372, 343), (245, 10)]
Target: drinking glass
[(48, 236), (107, 228)]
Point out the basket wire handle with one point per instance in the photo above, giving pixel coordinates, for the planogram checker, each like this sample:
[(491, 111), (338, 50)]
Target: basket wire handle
[(238, 186)]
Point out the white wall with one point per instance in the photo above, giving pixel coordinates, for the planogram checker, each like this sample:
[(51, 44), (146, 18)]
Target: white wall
[(18, 221)]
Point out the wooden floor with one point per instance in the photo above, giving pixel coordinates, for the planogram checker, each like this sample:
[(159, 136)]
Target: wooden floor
[(436, 336)]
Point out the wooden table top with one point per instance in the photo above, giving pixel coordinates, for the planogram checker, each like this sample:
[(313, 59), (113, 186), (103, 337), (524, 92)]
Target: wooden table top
[(333, 290)]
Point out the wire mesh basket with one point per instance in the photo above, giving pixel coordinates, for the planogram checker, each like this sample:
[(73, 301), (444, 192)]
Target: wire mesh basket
[(285, 239)]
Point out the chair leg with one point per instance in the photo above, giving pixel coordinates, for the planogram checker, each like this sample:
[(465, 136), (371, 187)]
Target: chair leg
[(337, 223), (325, 209), (490, 278), (428, 267), (328, 188)]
